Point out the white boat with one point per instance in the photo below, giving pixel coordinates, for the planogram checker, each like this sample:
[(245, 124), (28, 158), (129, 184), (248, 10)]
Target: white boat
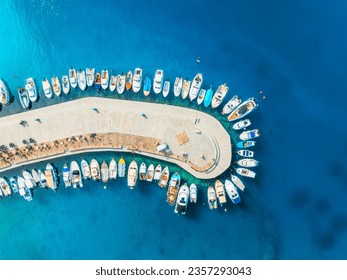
[(137, 80), (35, 176), (129, 80), (166, 88), (247, 162), (211, 198), (185, 88), (164, 177), (150, 173), (143, 171), (73, 77), (172, 190), (51, 177), (232, 192), (158, 81), (245, 172), (104, 172), (182, 200), (47, 89), (161, 147), (85, 170), (113, 83), (245, 153), (121, 167), (231, 105), (65, 83), (5, 187), (104, 79), (157, 173), (121, 83), (67, 175), (21, 185), (90, 76), (242, 124), (220, 192), (238, 183), (95, 170), (195, 87), (75, 175), (250, 134), (201, 96), (14, 185), (178, 86), (243, 109), (4, 94), (112, 172), (193, 193), (56, 86), (30, 87), (132, 174), (43, 180), (23, 98), (81, 79), (219, 95), (29, 180)]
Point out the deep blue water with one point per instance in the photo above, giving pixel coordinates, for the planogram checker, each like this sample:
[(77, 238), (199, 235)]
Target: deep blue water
[(293, 51)]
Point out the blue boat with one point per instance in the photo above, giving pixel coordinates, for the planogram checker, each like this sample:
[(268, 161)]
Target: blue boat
[(14, 185), (147, 86), (208, 97), (28, 196), (245, 144)]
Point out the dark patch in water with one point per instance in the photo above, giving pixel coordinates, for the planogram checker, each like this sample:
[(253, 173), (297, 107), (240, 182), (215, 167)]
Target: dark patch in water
[(162, 251), (299, 198), (336, 169), (339, 223), (326, 241), (322, 206)]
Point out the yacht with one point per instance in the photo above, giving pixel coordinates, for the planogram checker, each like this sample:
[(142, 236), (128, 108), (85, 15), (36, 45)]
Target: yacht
[(158, 81), (95, 170), (178, 86), (14, 185), (23, 98), (66, 84), (211, 198), (195, 87), (208, 97), (121, 83), (97, 81), (250, 134), (157, 173), (164, 178), (35, 176), (121, 167), (104, 172), (47, 89), (245, 153), (231, 105), (243, 109), (150, 173), (232, 192), (132, 174), (245, 172), (201, 96), (112, 172), (193, 193), (245, 144), (147, 86), (173, 188), (5, 187), (113, 83), (104, 79), (73, 77), (219, 95), (137, 80), (75, 175), (29, 180), (185, 88), (247, 162), (4, 94), (129, 80), (142, 172), (238, 183), (166, 88), (81, 79), (66, 175), (90, 76), (242, 124), (30, 87), (56, 86), (43, 180), (85, 169), (220, 192), (182, 200), (51, 177)]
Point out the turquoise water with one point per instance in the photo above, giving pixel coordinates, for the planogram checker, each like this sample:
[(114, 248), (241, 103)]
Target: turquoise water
[(294, 52)]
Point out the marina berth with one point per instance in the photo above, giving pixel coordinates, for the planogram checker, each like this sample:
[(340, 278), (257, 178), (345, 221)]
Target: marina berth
[(81, 79), (250, 134), (157, 173), (121, 83), (208, 97), (147, 86), (4, 94), (113, 83), (219, 95), (66, 175), (129, 80), (112, 170), (158, 81), (164, 178), (97, 81), (5, 187), (14, 185), (51, 177), (241, 124), (178, 86), (201, 96), (85, 170), (238, 183), (95, 170), (232, 192), (150, 173), (211, 198), (195, 86), (173, 188), (243, 109), (56, 86), (247, 162), (220, 192), (29, 180), (47, 89), (142, 172), (132, 174), (166, 88), (245, 172), (185, 88), (137, 80), (245, 153), (193, 193), (65, 84), (35, 176), (23, 98), (121, 167), (73, 77), (104, 172), (75, 175), (43, 180), (231, 105), (30, 87), (105, 79), (182, 200), (245, 144), (90, 76)]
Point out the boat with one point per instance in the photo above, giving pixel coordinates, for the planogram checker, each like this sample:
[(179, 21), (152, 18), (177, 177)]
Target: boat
[(90, 76), (161, 147), (85, 169), (112, 170), (95, 170), (178, 86), (211, 198), (157, 173), (232, 192), (14, 185), (208, 97), (147, 86), (5, 187), (47, 89), (245, 172), (97, 81), (172, 191), (166, 88), (193, 193), (243, 109), (81, 79), (164, 177), (56, 86), (121, 83), (132, 174), (65, 84), (231, 105), (182, 200), (219, 95), (137, 80), (241, 124), (75, 175), (150, 173), (195, 86), (142, 172), (4, 94), (73, 77), (238, 183), (51, 177), (30, 87), (24, 190), (247, 162), (220, 192), (185, 88), (245, 144), (28, 196), (245, 153), (66, 175), (23, 98), (29, 180), (250, 134), (129, 80), (104, 172), (35, 176), (121, 167), (201, 96), (158, 81), (43, 180), (113, 83)]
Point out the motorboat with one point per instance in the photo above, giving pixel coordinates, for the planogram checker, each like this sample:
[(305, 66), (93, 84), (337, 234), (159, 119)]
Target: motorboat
[(245, 153), (193, 193), (81, 79), (158, 81), (95, 170), (195, 86), (201, 96), (220, 192), (132, 174), (113, 83), (164, 178), (231, 105), (121, 83), (30, 87), (219, 95), (185, 88), (211, 198), (157, 173), (66, 175), (173, 188), (247, 162), (129, 80), (5, 187), (104, 172), (90, 76), (238, 183), (75, 175), (147, 86), (166, 88), (112, 171), (65, 84), (73, 77), (232, 192), (142, 171), (35, 176), (208, 97), (97, 81), (178, 86), (243, 109), (242, 124), (24, 98), (51, 177), (150, 173), (4, 93), (250, 134), (245, 172), (43, 180), (24, 190), (105, 79), (182, 200), (121, 167), (47, 89), (14, 185), (85, 169), (56, 86), (29, 180), (245, 144), (137, 80)]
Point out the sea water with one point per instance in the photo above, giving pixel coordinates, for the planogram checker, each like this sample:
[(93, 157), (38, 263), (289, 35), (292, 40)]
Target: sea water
[(292, 52)]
